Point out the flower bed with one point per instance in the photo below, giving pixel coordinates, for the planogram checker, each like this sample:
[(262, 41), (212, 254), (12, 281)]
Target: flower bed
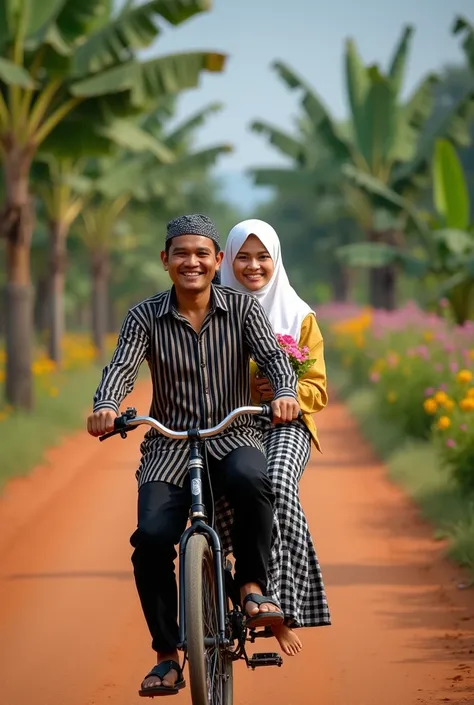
[(420, 367)]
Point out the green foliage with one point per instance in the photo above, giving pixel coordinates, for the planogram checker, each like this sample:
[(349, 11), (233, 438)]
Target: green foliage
[(60, 415)]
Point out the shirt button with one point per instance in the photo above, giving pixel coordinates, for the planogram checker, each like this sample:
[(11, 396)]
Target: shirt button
[(207, 391)]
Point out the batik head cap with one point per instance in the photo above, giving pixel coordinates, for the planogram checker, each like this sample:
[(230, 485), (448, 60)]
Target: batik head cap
[(195, 224)]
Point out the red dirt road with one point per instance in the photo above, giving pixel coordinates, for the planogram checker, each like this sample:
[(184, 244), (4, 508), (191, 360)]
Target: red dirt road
[(71, 630)]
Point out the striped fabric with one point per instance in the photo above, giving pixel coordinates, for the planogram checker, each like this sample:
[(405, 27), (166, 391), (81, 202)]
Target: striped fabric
[(197, 378)]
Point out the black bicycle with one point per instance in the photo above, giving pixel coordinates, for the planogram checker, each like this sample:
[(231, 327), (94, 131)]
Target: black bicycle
[(212, 629)]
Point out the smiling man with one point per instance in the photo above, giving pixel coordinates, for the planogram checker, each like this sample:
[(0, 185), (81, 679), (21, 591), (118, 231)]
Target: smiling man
[(197, 339)]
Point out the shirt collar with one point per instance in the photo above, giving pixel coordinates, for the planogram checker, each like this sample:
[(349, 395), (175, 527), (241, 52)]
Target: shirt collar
[(168, 303)]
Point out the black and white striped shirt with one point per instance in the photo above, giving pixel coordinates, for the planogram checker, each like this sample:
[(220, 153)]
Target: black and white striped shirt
[(197, 378)]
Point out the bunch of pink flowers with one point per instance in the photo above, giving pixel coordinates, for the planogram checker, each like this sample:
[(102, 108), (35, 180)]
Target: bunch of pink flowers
[(298, 356)]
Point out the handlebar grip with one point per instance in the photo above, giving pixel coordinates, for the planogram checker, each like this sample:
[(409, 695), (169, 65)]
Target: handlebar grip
[(120, 428), (108, 435), (267, 412)]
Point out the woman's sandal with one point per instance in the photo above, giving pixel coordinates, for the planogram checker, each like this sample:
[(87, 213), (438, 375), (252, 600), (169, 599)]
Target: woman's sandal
[(161, 671), (262, 619)]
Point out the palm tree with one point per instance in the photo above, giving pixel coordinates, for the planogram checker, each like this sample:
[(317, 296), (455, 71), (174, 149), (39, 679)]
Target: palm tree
[(70, 67)]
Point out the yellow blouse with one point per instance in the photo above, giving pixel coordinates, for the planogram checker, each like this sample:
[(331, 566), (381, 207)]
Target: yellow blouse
[(312, 393)]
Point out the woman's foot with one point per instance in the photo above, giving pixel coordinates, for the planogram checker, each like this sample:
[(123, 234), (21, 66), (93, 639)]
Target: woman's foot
[(287, 638)]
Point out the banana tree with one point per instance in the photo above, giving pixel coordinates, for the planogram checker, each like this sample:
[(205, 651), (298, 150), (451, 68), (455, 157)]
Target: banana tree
[(70, 68), (385, 138), (132, 178), (54, 180), (445, 241)]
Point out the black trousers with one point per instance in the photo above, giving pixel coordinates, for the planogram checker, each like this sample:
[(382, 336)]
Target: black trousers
[(162, 516)]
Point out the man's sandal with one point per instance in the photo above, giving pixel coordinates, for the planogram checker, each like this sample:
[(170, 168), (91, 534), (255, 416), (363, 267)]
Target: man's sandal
[(161, 671), (262, 619)]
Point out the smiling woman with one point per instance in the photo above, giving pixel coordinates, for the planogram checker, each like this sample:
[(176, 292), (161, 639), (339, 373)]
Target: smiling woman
[(253, 265)]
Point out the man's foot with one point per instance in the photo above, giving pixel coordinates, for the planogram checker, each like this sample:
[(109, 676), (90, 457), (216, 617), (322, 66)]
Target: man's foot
[(169, 680), (287, 638), (260, 611), (251, 608)]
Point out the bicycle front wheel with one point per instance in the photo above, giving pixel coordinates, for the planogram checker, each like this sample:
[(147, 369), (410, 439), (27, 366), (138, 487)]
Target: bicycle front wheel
[(210, 668)]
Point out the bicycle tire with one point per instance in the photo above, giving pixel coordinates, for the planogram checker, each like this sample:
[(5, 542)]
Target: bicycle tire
[(210, 669)]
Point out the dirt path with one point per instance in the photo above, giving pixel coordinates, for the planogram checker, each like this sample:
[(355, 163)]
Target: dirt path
[(71, 630)]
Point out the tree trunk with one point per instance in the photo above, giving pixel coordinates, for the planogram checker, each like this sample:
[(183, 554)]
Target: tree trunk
[(340, 281), (58, 235), (100, 281), (41, 307), (17, 224), (460, 300), (383, 280), (111, 317), (382, 287)]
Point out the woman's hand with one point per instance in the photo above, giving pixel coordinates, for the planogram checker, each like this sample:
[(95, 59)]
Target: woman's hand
[(264, 388)]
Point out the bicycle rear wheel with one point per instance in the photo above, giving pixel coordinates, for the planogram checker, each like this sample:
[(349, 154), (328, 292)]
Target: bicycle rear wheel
[(210, 668)]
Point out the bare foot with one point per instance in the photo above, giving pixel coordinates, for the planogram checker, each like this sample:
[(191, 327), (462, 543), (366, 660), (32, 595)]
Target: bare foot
[(288, 639), (171, 677)]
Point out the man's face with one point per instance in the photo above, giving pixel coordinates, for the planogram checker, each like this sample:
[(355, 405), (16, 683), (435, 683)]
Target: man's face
[(191, 262)]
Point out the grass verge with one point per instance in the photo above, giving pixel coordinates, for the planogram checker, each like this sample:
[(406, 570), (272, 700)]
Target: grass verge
[(25, 437), (416, 467)]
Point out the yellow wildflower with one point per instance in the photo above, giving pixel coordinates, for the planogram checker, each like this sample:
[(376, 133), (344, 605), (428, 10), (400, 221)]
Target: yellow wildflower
[(464, 376), (448, 404), (470, 392), (467, 404), (53, 392), (444, 422), (428, 335), (441, 397), (392, 397), (430, 406)]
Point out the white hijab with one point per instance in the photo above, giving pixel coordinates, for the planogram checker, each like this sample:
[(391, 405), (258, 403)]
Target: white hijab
[(282, 304)]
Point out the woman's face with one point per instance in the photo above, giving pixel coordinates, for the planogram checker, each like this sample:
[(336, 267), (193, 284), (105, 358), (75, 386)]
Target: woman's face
[(253, 267)]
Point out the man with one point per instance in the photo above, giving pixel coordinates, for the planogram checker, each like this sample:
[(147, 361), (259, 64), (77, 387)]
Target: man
[(197, 339)]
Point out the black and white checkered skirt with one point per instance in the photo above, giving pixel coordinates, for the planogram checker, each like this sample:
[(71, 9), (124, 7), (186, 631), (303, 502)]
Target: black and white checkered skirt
[(294, 573)]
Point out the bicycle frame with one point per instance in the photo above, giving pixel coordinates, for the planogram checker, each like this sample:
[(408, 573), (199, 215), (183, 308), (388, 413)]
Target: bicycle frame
[(199, 524), (128, 422)]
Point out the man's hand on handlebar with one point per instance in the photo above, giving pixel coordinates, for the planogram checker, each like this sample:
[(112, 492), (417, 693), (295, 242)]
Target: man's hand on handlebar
[(285, 409), (101, 422)]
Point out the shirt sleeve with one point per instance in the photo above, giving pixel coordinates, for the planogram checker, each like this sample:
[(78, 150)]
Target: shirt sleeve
[(312, 392), (119, 376), (267, 353)]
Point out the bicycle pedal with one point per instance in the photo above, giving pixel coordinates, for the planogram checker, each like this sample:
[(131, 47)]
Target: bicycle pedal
[(265, 659), (265, 633)]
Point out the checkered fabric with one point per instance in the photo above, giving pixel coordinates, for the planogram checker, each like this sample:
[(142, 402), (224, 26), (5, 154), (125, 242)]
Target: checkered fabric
[(294, 573)]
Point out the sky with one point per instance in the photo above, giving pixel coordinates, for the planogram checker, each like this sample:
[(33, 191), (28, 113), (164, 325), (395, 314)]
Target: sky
[(309, 35)]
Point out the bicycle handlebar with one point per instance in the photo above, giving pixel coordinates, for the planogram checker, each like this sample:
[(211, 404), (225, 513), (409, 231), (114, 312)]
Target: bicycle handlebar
[(129, 421)]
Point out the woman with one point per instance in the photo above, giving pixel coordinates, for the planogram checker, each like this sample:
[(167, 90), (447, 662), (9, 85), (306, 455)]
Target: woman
[(252, 264)]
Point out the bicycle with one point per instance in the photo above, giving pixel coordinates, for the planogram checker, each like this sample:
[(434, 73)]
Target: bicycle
[(212, 629)]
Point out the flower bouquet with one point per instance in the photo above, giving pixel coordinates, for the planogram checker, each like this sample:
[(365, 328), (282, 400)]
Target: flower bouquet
[(298, 356)]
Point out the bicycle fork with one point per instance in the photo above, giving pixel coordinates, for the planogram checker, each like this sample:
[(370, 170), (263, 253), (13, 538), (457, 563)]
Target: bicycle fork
[(199, 524)]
